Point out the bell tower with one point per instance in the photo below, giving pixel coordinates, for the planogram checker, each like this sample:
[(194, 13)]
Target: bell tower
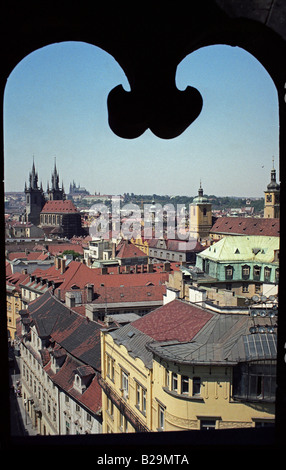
[(272, 197), (200, 216)]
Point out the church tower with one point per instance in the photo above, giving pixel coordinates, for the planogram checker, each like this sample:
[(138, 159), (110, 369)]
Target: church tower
[(200, 216), (35, 198), (272, 197), (56, 193)]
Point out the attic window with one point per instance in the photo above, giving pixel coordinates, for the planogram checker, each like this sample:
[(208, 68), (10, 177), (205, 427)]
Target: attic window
[(237, 251), (74, 287)]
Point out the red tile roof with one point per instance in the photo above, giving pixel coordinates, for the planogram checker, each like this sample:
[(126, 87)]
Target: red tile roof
[(8, 268), (129, 250), (62, 207), (58, 249), (79, 275), (64, 378), (33, 255), (177, 320), (247, 226), (15, 279), (129, 294)]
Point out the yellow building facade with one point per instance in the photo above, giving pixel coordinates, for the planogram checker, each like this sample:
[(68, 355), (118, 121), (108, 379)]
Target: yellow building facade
[(141, 244), (14, 305), (200, 220), (149, 385)]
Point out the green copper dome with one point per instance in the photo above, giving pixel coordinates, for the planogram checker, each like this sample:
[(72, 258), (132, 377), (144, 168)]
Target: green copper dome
[(200, 198)]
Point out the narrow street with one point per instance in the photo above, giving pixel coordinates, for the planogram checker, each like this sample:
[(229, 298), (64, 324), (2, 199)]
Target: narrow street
[(20, 422)]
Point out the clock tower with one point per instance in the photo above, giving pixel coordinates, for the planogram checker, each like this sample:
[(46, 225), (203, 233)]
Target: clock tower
[(200, 216), (272, 197)]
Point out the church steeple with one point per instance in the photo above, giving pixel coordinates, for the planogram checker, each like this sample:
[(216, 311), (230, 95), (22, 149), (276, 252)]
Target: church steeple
[(34, 198), (33, 177), (56, 193), (272, 196)]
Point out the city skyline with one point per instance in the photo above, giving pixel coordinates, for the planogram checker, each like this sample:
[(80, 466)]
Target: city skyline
[(55, 107)]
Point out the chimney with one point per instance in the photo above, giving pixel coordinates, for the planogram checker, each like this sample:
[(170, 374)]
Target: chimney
[(167, 266), (89, 292), (57, 262), (113, 250), (70, 300), (63, 265), (149, 267)]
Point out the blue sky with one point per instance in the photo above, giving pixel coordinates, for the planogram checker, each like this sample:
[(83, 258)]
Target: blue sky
[(55, 106)]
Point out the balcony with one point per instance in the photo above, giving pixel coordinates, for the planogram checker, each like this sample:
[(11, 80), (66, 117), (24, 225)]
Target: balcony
[(122, 406)]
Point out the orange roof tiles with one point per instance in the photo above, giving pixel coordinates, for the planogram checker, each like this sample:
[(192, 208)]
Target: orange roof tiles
[(62, 207), (33, 255), (129, 250), (129, 294), (247, 226), (78, 275)]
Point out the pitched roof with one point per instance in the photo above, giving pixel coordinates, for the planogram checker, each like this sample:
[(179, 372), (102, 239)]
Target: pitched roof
[(59, 248), (129, 250), (175, 245), (247, 226), (79, 275), (73, 332), (247, 248), (64, 378), (32, 255), (224, 339), (62, 207), (177, 320), (129, 294), (14, 280)]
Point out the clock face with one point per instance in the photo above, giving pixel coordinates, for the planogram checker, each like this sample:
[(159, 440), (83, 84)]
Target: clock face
[(268, 198)]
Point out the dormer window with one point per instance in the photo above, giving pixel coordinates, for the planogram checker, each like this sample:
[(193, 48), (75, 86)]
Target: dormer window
[(58, 358), (82, 378), (229, 272), (78, 384), (245, 271)]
